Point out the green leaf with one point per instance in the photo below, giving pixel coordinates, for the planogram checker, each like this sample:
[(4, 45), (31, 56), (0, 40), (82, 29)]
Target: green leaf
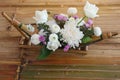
[(43, 26), (44, 53), (86, 39)]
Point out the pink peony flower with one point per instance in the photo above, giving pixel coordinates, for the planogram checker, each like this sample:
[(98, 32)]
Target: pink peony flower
[(87, 25), (42, 38), (55, 16), (60, 17), (90, 22), (65, 19), (76, 16)]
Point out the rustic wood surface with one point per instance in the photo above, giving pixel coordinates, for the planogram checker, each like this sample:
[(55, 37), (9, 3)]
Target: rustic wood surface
[(102, 61)]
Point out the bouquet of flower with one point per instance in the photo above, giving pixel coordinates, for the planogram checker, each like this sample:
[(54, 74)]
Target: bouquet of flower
[(64, 30)]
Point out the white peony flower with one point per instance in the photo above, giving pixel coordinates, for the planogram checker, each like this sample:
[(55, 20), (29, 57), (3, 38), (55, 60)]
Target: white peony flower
[(55, 28), (97, 31), (42, 33), (35, 39), (72, 11), (51, 22), (71, 34), (71, 22), (91, 10), (53, 45), (53, 37), (41, 16), (80, 24)]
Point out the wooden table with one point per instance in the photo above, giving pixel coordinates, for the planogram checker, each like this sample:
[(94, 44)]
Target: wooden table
[(102, 61)]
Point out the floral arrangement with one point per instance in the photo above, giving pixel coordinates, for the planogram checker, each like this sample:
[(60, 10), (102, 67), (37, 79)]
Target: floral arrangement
[(64, 31)]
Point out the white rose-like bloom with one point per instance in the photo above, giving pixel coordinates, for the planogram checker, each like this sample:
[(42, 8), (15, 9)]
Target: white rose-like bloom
[(35, 39), (51, 22), (55, 28), (53, 37), (72, 11), (53, 45), (91, 10), (41, 16), (42, 33), (71, 34), (30, 28), (97, 31)]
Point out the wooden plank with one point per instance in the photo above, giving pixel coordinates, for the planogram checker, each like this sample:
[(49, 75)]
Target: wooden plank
[(4, 23), (30, 10), (8, 67), (12, 50), (5, 34), (65, 2), (8, 2), (7, 77), (72, 52), (70, 78), (9, 41), (69, 74), (75, 57), (106, 46), (71, 67), (56, 2), (80, 60), (8, 48), (71, 1), (98, 61), (10, 72), (10, 62)]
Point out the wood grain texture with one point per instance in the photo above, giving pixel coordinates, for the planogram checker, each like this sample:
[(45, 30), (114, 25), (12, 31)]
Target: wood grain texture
[(102, 61)]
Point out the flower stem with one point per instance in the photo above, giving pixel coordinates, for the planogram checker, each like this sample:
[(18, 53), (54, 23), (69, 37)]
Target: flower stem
[(81, 19)]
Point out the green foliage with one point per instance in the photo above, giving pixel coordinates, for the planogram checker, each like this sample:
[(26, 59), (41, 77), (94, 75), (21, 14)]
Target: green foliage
[(43, 26), (86, 39), (44, 53), (86, 31)]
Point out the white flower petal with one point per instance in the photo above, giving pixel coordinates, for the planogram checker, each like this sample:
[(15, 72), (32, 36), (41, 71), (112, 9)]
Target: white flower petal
[(53, 45), (30, 28), (72, 11), (90, 10), (42, 33), (50, 22), (53, 37), (71, 34), (35, 39), (41, 16), (97, 31), (55, 28)]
